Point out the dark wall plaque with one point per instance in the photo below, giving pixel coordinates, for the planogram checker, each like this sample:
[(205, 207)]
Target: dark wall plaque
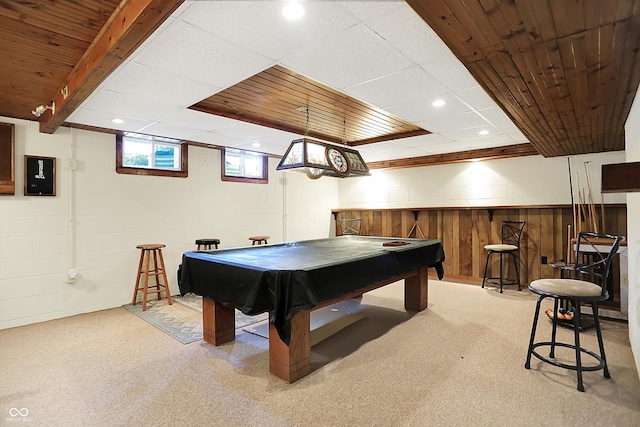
[(39, 176), (7, 159)]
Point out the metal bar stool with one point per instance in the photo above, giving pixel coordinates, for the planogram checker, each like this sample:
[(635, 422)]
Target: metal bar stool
[(511, 232), (589, 286), (207, 243), (158, 271), (258, 240)]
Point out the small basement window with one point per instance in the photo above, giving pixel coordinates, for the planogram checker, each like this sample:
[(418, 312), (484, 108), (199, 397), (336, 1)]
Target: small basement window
[(139, 154), (244, 166)]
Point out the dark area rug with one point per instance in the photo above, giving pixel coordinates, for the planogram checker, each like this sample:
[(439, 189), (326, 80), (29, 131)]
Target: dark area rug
[(183, 319)]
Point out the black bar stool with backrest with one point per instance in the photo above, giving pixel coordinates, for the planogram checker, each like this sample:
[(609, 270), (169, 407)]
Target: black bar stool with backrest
[(350, 226), (589, 285), (511, 232)]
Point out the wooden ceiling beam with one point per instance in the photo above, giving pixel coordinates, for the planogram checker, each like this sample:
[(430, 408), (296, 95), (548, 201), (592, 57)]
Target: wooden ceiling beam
[(565, 72), (132, 22), (518, 150)]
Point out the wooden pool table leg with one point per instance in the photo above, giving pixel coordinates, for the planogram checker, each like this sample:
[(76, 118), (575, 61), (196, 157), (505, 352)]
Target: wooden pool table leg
[(291, 362), (416, 290), (218, 322)]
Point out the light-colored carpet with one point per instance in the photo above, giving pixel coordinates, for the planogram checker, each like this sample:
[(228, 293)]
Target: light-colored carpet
[(183, 319), (458, 363)]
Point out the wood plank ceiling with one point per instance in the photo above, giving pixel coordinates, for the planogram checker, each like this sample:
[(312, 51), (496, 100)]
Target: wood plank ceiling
[(40, 44), (282, 99), (565, 71)]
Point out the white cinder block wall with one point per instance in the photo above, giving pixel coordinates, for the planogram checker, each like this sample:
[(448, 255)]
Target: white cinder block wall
[(98, 217), (531, 180), (632, 148)]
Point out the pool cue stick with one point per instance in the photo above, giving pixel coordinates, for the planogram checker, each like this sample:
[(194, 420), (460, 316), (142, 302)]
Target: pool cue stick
[(573, 207), (592, 206), (569, 244), (602, 211)]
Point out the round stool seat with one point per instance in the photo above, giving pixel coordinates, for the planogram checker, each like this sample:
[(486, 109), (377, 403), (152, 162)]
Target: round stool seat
[(258, 240), (151, 246), (149, 271), (207, 243)]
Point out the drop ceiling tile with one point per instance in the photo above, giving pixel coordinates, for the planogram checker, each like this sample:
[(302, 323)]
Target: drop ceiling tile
[(172, 131), (410, 84), (143, 82), (495, 115), (217, 139), (422, 109), (197, 120), (103, 119), (454, 122), (260, 26), (368, 10), (509, 127), (200, 56), (250, 132), (443, 148), (421, 141), (476, 97), (121, 105), (403, 28), (363, 55), (451, 73), (472, 133)]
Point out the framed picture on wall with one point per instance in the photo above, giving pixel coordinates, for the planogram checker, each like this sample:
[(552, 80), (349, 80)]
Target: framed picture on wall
[(39, 176), (7, 159)]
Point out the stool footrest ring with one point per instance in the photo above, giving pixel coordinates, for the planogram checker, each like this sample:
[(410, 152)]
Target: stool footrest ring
[(564, 365), (499, 281)]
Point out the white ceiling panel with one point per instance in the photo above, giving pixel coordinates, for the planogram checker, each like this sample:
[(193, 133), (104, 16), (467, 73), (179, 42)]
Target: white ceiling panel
[(451, 73), (121, 105), (200, 56), (197, 120), (423, 109), (265, 29), (172, 131), (143, 82), (408, 33), (103, 119), (408, 85), (362, 56), (476, 97), (454, 122)]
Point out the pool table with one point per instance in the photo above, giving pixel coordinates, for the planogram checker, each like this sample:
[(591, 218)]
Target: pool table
[(291, 279)]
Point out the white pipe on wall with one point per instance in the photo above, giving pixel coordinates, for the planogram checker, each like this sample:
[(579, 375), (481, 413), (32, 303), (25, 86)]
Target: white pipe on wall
[(71, 209)]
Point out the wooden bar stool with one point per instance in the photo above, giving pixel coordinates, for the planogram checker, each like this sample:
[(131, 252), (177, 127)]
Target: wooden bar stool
[(158, 270), (258, 240), (207, 243)]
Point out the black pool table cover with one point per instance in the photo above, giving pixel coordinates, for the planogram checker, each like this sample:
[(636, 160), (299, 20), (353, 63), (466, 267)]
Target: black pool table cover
[(289, 277)]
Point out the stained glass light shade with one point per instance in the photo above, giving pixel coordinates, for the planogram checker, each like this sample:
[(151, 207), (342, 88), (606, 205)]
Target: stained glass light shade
[(316, 159)]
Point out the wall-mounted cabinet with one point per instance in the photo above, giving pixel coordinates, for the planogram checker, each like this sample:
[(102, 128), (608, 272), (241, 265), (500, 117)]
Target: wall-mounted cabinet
[(7, 159)]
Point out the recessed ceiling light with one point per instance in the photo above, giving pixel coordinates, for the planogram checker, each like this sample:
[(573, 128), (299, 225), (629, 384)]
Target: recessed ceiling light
[(483, 132), (438, 103), (256, 144), (293, 10), (117, 121)]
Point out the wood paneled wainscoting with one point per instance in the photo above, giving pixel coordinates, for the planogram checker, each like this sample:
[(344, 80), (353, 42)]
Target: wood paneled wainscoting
[(464, 232)]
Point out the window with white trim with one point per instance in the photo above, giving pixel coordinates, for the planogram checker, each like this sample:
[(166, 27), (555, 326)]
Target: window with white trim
[(244, 166), (150, 155)]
